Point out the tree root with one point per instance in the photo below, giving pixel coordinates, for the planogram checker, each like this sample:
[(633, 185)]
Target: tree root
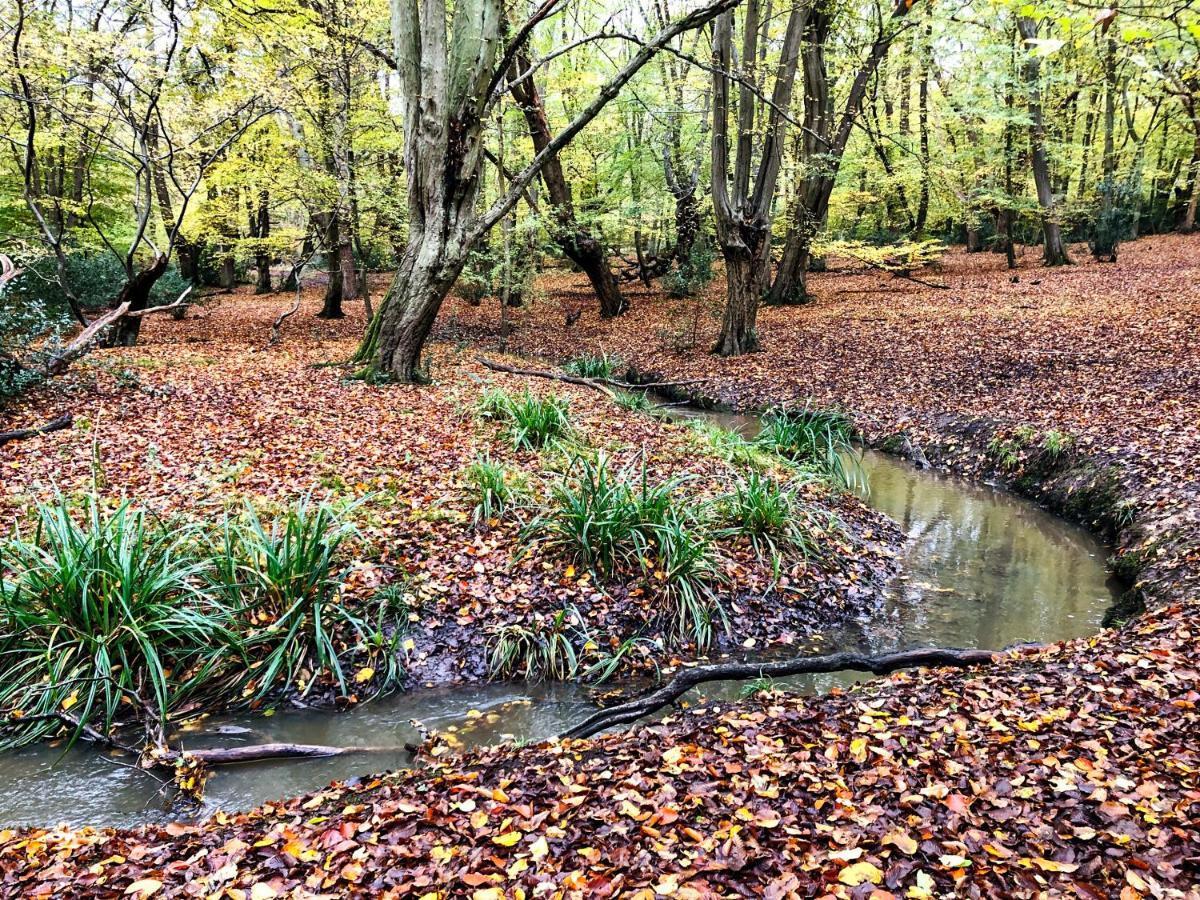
[(686, 679)]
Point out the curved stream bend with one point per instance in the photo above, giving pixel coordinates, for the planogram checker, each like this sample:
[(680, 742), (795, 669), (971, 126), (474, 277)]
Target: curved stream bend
[(981, 568)]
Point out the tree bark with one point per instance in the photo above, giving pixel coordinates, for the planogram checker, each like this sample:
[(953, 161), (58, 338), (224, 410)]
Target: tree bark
[(331, 306), (742, 204), (823, 150), (575, 241), (1055, 251), (135, 292)]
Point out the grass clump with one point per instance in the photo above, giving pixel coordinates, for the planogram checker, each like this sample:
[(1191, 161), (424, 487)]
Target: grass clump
[(497, 489), (617, 522), (730, 446), (535, 653), (634, 401), (767, 514), (594, 365), (114, 618), (530, 422), (284, 580), (100, 616), (818, 439)]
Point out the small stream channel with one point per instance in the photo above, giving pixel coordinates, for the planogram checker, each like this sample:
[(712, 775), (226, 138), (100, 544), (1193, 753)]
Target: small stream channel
[(981, 568)]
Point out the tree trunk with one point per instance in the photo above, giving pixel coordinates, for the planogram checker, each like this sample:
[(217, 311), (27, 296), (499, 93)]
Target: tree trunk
[(738, 332), (923, 125), (1055, 251), (227, 278), (427, 272), (331, 307), (135, 292), (575, 241), (1187, 224)]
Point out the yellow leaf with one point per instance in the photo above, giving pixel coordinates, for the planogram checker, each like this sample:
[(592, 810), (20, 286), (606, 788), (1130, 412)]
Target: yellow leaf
[(858, 873), (903, 842), (263, 891), (858, 750), (364, 675), (67, 704), (539, 849), (490, 893), (1053, 865), (409, 644), (144, 888), (507, 839), (570, 573)]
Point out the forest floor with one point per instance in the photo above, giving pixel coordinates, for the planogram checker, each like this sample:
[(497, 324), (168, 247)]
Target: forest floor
[(1073, 769), (202, 417)]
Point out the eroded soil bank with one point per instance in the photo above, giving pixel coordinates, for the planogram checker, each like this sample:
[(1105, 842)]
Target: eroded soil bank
[(1071, 769)]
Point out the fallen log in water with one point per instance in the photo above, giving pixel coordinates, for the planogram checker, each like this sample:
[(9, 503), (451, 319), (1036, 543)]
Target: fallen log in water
[(686, 679)]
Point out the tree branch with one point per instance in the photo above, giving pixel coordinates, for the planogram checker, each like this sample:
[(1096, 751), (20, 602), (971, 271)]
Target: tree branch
[(686, 679)]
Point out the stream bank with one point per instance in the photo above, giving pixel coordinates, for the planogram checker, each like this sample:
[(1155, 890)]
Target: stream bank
[(979, 568)]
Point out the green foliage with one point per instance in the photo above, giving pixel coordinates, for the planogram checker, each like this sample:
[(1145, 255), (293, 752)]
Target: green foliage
[(694, 274), (609, 663), (819, 439), (594, 365), (903, 256), (760, 685), (619, 523), (535, 654), (769, 515), (283, 581), (530, 422), (496, 488), (634, 401), (102, 614), (730, 446), (1055, 443), (1113, 217)]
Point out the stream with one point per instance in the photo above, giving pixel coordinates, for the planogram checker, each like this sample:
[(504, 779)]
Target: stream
[(980, 568)]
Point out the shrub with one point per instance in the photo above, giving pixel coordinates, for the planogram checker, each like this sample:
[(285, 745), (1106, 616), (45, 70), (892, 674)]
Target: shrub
[(530, 422), (535, 653), (594, 365), (692, 275), (1114, 217), (101, 617), (816, 438)]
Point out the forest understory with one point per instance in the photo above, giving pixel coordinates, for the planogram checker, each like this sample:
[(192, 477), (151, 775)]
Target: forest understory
[(1071, 768)]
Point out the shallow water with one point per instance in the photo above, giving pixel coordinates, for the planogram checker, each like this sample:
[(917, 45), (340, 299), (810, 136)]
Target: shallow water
[(981, 568)]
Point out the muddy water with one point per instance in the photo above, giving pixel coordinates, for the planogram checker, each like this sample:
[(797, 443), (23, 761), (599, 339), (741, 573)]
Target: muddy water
[(981, 568)]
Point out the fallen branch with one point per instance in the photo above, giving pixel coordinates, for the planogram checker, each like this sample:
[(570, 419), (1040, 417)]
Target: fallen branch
[(593, 383), (220, 756), (83, 341), (283, 317), (179, 301), (602, 385), (686, 679), (21, 433)]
